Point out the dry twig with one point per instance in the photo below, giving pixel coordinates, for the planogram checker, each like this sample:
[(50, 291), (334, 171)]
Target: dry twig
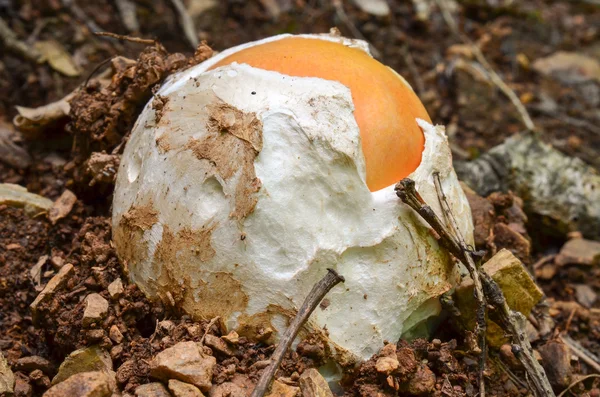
[(187, 23), (126, 38), (81, 15), (341, 14), (495, 77), (481, 325), (511, 321), (581, 352), (577, 382), (452, 241), (316, 294), (126, 10), (12, 43)]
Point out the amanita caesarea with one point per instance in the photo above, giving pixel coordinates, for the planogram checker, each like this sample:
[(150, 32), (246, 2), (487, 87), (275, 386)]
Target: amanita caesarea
[(249, 175)]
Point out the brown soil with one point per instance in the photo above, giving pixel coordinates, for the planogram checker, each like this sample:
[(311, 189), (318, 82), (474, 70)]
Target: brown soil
[(101, 116)]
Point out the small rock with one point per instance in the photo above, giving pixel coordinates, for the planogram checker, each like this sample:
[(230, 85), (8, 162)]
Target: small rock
[(84, 384), (521, 292), (508, 357), (556, 360), (182, 389), (227, 389), (96, 308), (62, 206), (231, 338), (89, 359), (95, 335), (57, 262), (116, 351), (585, 295), (38, 377), (312, 384), (280, 389), (579, 251), (166, 326), (389, 350), (407, 360), (7, 378), (22, 386), (115, 335), (55, 283), (154, 389), (115, 289), (217, 344), (422, 382), (185, 362), (506, 237), (386, 365), (31, 363)]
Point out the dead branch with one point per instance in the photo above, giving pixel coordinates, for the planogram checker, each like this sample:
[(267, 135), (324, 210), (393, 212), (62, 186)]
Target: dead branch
[(513, 322), (412, 67), (316, 294), (13, 44), (81, 15), (577, 382), (126, 38), (581, 352), (126, 10), (187, 23), (495, 77), (481, 325), (341, 14)]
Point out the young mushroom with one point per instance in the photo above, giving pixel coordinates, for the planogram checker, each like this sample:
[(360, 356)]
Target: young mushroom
[(250, 174)]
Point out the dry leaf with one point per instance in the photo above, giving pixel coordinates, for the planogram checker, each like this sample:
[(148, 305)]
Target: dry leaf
[(36, 271), (569, 67), (379, 8), (17, 196), (31, 121), (62, 206), (57, 57), (10, 153)]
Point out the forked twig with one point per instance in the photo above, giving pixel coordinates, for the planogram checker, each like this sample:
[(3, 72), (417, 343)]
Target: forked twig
[(511, 321), (480, 325), (316, 294), (495, 77), (454, 242)]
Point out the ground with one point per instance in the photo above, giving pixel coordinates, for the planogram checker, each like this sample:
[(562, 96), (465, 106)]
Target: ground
[(562, 100)]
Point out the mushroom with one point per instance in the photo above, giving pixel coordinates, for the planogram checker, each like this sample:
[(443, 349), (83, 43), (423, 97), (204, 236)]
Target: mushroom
[(251, 173)]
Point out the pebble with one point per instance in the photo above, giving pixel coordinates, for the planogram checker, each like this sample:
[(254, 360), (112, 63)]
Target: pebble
[(84, 384), (556, 360), (227, 389), (115, 289), (280, 389), (31, 363), (115, 335), (386, 365), (154, 389), (422, 382), (96, 308), (182, 389), (55, 283), (585, 295), (89, 359), (185, 362), (217, 344), (312, 384), (7, 378)]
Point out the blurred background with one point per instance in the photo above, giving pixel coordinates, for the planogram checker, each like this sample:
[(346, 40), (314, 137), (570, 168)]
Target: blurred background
[(547, 53)]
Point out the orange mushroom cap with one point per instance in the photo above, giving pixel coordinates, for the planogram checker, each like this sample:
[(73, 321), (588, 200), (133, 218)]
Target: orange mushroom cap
[(385, 105)]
